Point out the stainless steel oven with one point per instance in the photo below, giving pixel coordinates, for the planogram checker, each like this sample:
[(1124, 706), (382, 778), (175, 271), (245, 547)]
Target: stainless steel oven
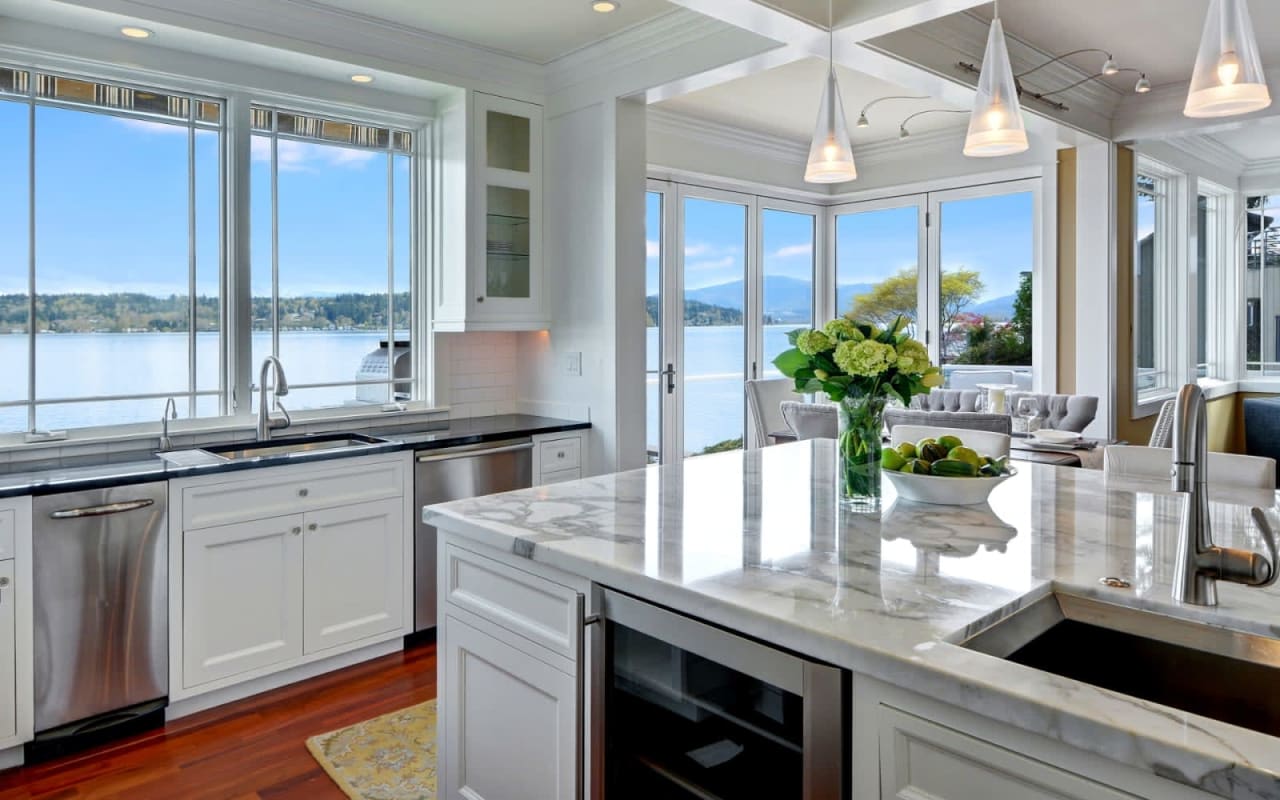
[(693, 711)]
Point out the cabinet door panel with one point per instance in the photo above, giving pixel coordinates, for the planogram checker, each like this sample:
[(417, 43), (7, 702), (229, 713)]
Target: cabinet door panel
[(8, 652), (920, 759), (242, 597), (509, 720), (354, 573)]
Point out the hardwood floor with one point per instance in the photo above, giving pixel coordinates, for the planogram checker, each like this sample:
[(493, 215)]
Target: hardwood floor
[(249, 750)]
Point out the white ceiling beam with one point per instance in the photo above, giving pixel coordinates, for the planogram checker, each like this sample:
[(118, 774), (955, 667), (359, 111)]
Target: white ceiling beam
[(1158, 114)]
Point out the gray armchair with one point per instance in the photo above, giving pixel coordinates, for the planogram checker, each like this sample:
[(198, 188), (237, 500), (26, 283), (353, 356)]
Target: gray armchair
[(1063, 412)]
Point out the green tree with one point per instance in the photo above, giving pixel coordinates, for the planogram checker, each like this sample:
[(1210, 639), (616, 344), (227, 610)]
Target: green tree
[(898, 296), (1022, 308)]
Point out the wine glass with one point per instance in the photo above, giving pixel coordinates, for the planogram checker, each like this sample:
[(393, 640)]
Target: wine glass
[(1029, 411)]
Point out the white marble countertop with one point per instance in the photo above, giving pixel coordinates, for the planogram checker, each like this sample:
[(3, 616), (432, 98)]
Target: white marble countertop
[(756, 542)]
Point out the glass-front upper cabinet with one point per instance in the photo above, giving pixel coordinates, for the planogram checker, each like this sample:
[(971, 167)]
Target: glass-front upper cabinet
[(507, 231)]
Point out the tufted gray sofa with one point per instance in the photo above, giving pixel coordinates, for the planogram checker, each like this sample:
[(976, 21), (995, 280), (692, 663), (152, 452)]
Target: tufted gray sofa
[(947, 400), (1062, 412), (972, 420)]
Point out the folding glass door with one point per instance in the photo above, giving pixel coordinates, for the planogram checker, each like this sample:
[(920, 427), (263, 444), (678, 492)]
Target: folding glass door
[(727, 275)]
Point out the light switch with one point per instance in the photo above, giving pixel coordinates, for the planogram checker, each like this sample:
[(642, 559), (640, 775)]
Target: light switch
[(573, 363)]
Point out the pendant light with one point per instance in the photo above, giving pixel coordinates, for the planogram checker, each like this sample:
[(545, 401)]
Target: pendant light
[(995, 126), (830, 155), (1228, 77)]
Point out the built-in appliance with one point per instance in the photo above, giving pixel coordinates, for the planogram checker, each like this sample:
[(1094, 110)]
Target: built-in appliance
[(458, 473), (695, 712), (100, 578)]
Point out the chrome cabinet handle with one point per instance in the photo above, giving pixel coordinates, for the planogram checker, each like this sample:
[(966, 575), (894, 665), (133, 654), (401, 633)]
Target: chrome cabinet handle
[(295, 530), (476, 453), (102, 510), (303, 493)]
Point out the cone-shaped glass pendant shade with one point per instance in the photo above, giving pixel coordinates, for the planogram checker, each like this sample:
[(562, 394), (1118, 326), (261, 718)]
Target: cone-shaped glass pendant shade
[(1228, 78), (995, 126), (830, 155)]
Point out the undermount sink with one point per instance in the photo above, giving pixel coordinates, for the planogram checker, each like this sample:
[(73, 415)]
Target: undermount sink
[(1214, 672), (298, 445)]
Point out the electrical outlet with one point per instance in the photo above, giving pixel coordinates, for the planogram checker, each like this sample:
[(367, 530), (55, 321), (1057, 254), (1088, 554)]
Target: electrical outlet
[(573, 363)]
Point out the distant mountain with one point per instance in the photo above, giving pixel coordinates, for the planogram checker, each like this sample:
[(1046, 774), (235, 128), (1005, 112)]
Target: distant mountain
[(998, 308), (786, 300)]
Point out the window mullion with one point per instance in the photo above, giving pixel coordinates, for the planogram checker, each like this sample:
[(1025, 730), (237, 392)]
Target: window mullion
[(391, 276), (191, 271), (31, 261), (236, 270)]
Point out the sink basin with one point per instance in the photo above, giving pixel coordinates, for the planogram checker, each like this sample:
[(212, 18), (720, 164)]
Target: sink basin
[(1214, 672), (298, 445)]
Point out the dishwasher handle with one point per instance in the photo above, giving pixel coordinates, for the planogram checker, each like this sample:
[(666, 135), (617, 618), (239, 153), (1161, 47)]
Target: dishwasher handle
[(486, 451), (102, 510)]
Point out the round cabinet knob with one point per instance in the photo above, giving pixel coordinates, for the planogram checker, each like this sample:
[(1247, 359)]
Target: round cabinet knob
[(4, 582), (312, 526), (295, 530), (479, 299), (303, 493)]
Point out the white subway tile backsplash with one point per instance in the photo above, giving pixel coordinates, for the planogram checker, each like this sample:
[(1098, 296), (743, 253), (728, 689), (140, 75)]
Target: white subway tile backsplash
[(482, 374)]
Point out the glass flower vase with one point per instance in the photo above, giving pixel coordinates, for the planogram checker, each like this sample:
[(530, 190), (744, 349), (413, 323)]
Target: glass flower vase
[(858, 451)]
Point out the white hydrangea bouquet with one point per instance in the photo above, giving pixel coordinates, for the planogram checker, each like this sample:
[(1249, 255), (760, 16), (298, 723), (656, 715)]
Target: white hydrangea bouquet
[(859, 366)]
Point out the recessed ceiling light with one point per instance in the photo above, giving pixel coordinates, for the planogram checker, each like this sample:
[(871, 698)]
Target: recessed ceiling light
[(134, 32), (361, 78), (605, 6)]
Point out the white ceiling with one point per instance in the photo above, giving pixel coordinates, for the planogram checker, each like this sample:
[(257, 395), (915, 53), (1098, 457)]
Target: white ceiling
[(1256, 140), (536, 30), (1159, 37), (784, 101)]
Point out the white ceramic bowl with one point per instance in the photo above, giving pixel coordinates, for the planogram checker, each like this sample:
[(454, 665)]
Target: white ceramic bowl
[(1050, 436), (944, 491)]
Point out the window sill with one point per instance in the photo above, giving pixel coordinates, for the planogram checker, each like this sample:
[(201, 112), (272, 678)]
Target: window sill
[(1150, 406), (210, 429), (1270, 385)]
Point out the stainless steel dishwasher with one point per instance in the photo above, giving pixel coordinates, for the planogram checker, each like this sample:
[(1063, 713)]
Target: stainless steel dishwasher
[(100, 561), (457, 473)]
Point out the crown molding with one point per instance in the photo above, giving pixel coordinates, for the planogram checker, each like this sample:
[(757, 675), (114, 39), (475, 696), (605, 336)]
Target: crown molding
[(719, 134), (917, 145), (1211, 151)]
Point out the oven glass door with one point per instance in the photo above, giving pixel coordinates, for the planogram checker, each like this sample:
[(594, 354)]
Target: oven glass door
[(682, 726)]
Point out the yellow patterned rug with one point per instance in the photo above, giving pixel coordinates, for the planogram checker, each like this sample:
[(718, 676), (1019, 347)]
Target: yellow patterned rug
[(391, 757)]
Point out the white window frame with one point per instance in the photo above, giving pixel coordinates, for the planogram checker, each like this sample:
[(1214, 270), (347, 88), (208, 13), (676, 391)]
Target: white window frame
[(1171, 250), (236, 323), (1224, 295)]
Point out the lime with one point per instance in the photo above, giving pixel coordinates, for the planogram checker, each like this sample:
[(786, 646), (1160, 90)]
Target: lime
[(920, 444), (891, 459), (907, 450), (916, 467), (966, 454), (950, 442), (933, 451)]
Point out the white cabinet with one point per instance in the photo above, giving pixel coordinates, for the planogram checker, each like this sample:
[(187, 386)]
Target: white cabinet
[(242, 597), (352, 566), (492, 279), (317, 563), (512, 725), (8, 651), (559, 457), (17, 646)]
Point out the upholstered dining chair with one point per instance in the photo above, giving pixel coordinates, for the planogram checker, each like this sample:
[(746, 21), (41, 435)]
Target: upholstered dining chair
[(1225, 469), (1062, 412), (811, 420), (988, 443), (764, 400), (1162, 433)]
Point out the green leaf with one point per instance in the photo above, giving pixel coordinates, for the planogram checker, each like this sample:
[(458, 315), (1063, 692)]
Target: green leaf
[(841, 380), (824, 362), (788, 361), (792, 336), (810, 386)]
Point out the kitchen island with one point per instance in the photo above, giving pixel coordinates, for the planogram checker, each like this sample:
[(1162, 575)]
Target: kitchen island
[(755, 543)]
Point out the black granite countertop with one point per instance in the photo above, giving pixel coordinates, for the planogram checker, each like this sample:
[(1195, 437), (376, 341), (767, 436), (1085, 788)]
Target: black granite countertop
[(476, 430)]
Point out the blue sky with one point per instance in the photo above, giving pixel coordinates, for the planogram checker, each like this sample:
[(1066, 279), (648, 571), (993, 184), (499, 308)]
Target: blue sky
[(111, 203), (991, 234)]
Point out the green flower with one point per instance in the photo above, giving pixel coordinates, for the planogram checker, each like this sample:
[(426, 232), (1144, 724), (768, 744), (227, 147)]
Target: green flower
[(912, 356), (813, 342), (868, 358), (933, 378), (841, 329)]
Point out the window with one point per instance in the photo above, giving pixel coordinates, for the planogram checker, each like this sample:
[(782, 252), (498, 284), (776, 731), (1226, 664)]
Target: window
[(331, 240), (116, 289), (1154, 286), (110, 271), (1214, 351), (1262, 284)]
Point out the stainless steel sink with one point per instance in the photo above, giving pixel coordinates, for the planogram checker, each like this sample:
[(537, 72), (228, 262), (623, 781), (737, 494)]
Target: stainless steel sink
[(1214, 672), (294, 446)]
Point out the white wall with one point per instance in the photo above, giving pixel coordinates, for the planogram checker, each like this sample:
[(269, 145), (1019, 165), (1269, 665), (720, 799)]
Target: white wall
[(594, 234)]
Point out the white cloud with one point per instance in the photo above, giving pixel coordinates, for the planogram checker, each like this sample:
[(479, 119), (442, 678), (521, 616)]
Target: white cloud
[(793, 250), (696, 249), (296, 156), (147, 126), (650, 249), (719, 263)]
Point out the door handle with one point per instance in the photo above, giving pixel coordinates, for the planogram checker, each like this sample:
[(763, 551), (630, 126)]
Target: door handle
[(487, 451), (102, 510), (670, 372)]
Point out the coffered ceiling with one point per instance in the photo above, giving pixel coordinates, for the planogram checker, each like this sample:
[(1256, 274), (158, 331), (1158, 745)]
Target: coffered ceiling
[(536, 30)]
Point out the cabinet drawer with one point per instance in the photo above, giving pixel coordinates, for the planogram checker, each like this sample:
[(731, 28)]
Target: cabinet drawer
[(276, 492), (8, 521), (560, 476), (919, 758), (540, 610), (560, 454)]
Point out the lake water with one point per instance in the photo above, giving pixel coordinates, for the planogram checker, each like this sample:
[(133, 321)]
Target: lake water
[(82, 364)]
